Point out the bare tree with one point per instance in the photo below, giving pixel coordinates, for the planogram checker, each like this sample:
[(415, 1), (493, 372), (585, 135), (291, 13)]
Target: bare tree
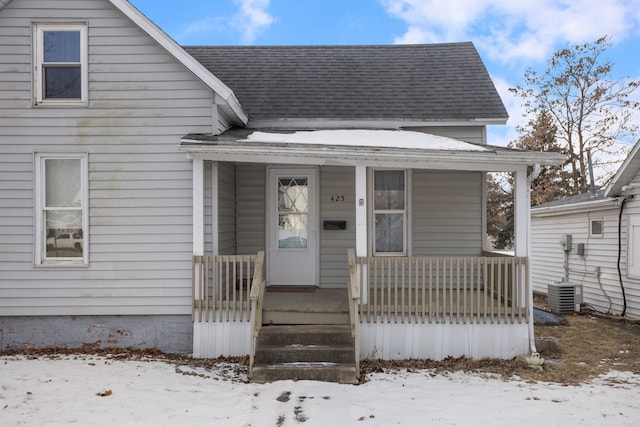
[(500, 205), (538, 135), (541, 135), (589, 111)]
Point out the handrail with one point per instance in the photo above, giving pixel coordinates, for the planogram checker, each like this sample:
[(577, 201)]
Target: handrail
[(354, 302), (256, 296)]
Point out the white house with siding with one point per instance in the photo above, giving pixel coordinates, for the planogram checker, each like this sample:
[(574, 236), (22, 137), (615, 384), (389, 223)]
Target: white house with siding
[(196, 199), (604, 254)]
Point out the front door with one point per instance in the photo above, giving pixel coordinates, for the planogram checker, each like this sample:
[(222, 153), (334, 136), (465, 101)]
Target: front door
[(293, 254)]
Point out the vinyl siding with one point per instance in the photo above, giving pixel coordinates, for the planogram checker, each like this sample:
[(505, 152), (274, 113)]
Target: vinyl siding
[(547, 257), (227, 209), (141, 101), (447, 213), (336, 182), (251, 208)]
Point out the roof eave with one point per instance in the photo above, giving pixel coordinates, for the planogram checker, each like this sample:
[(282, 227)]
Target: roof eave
[(183, 57), (321, 154), (624, 173), (591, 205), (367, 123)]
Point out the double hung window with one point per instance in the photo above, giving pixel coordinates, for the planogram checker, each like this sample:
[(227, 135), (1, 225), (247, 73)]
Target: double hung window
[(60, 64), (61, 225), (390, 212)]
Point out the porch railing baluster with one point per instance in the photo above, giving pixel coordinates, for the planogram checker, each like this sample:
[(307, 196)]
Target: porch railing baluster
[(464, 290), (423, 291), (457, 290), (514, 291), (205, 290)]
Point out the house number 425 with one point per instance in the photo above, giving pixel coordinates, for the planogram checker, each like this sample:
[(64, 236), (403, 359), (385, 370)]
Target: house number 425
[(338, 198)]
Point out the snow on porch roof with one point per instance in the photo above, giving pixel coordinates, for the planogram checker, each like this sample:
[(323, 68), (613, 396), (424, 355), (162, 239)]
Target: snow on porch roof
[(398, 148), (365, 138)]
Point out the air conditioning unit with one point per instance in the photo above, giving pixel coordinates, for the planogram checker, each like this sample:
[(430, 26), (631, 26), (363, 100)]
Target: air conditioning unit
[(564, 297)]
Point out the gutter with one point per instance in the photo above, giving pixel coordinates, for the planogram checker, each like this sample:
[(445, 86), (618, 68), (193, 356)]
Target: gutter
[(314, 123), (574, 207), (494, 160)]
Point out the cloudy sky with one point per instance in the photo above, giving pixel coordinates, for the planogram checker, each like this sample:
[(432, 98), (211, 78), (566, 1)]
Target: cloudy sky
[(510, 35)]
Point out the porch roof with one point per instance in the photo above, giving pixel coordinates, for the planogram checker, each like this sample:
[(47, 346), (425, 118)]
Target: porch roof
[(352, 147)]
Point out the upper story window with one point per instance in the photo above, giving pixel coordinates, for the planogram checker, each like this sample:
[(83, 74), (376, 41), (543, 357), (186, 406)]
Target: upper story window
[(60, 64), (61, 204), (390, 212)]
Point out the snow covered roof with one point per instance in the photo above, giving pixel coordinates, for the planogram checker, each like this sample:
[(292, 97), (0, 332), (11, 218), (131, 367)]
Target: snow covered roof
[(366, 138), (349, 147)]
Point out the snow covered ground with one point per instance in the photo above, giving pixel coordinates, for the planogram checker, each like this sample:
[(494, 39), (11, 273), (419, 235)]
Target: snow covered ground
[(94, 391)]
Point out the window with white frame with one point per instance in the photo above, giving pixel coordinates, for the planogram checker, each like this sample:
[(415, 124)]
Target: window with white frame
[(390, 212), (61, 225), (633, 246), (596, 227), (60, 64)]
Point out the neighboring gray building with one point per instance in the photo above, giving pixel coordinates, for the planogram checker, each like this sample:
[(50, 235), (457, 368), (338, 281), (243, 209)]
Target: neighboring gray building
[(142, 182), (604, 254)]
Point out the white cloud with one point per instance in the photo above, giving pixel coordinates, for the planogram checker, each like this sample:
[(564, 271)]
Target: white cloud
[(202, 26), (252, 18), (514, 30), (248, 22), (416, 35)]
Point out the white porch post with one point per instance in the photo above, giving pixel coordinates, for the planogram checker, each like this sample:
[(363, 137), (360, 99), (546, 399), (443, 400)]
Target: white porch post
[(521, 208), (361, 224), (198, 207), (215, 182), (522, 244)]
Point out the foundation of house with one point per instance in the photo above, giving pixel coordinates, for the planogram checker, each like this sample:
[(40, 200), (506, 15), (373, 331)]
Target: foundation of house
[(170, 334)]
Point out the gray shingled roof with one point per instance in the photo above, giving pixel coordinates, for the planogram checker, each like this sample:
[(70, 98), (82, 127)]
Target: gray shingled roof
[(572, 200), (387, 82)]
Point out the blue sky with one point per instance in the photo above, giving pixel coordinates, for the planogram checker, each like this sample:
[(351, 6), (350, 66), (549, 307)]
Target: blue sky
[(511, 35)]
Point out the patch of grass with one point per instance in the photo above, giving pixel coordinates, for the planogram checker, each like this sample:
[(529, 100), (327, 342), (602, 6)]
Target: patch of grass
[(589, 346)]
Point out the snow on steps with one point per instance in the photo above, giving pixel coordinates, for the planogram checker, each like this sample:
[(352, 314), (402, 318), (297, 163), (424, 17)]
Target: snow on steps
[(305, 352)]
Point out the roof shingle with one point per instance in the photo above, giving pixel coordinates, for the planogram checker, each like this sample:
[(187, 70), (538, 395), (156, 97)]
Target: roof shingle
[(435, 82)]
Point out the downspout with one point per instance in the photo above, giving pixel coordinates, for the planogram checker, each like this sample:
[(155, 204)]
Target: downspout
[(624, 297)]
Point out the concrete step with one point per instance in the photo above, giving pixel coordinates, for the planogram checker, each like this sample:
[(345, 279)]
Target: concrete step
[(305, 352), (338, 373), (274, 354), (321, 335), (281, 317)]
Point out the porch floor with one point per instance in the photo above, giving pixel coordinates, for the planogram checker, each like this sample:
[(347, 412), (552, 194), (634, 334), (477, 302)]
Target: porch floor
[(324, 306), (335, 301), (323, 300)]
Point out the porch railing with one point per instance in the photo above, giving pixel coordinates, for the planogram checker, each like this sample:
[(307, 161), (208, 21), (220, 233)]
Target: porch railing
[(354, 302), (221, 286), (256, 297), (443, 289)]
